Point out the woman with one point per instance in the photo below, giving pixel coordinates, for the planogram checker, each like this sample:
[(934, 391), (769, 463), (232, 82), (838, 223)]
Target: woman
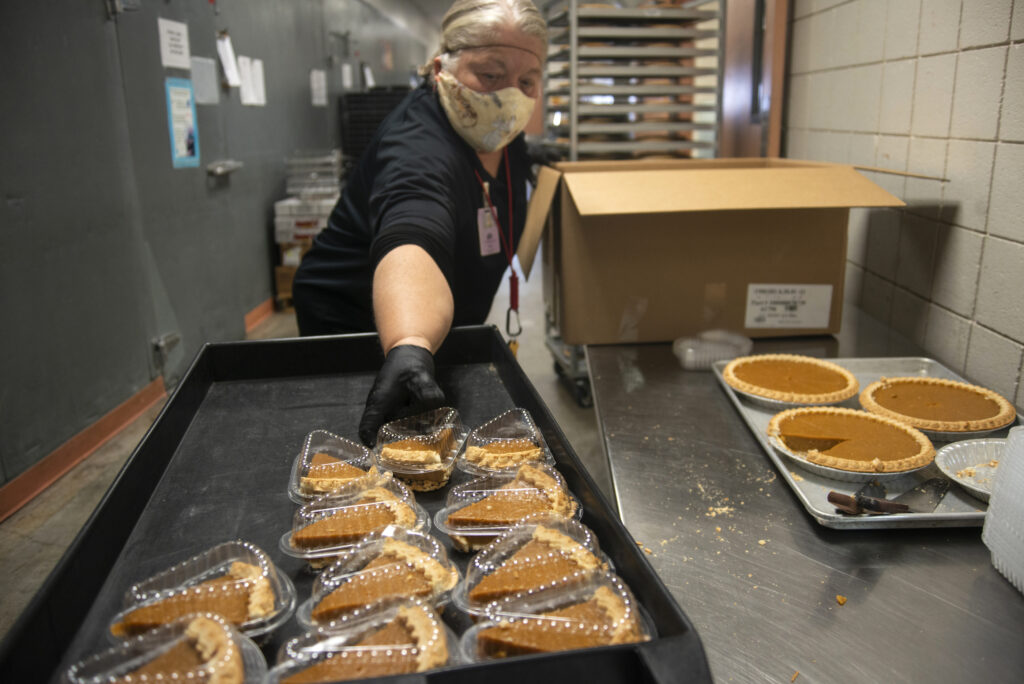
[(412, 246)]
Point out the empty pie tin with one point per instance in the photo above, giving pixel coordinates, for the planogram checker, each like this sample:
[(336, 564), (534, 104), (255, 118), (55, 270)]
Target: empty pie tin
[(972, 464)]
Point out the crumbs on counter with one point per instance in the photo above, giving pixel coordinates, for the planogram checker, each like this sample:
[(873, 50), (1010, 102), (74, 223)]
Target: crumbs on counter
[(840, 599)]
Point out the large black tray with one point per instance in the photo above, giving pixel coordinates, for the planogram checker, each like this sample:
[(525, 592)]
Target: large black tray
[(215, 466)]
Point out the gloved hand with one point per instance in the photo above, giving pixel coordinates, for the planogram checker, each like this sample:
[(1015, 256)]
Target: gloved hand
[(404, 386)]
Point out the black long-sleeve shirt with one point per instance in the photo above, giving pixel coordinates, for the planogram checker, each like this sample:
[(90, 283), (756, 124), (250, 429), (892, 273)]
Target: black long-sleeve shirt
[(416, 183)]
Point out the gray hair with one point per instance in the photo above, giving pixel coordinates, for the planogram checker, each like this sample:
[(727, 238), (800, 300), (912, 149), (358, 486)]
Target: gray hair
[(476, 23)]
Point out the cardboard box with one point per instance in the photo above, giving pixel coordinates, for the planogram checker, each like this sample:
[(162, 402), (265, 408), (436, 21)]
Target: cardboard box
[(648, 251), (283, 277)]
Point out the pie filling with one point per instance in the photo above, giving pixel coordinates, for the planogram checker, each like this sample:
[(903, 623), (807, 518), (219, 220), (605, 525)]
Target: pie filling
[(938, 404), (790, 378), (206, 653)]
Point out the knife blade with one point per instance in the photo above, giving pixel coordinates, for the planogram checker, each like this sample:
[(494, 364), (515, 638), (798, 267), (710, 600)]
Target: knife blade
[(924, 497)]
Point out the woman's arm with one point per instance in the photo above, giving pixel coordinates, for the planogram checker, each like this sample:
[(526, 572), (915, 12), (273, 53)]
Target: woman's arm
[(412, 303)]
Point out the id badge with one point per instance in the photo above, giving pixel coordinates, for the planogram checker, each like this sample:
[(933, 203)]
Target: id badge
[(490, 241)]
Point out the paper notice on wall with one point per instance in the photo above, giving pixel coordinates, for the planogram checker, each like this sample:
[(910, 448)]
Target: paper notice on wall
[(227, 59), (204, 80), (174, 52), (245, 86), (772, 305), (259, 86), (346, 76), (368, 78), (181, 123), (318, 87)]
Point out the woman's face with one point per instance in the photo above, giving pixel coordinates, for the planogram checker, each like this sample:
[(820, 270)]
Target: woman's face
[(513, 60)]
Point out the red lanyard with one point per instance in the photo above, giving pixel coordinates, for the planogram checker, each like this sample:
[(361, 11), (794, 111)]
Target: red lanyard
[(506, 246)]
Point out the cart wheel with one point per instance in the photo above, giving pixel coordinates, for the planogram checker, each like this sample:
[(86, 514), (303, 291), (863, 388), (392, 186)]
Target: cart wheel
[(583, 396)]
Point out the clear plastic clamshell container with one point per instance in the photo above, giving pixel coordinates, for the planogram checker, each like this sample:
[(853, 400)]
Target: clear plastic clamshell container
[(326, 463), (503, 443), (326, 527), (476, 512), (420, 450), (236, 580), (600, 611), (201, 647), (386, 567), (396, 639), (540, 553)]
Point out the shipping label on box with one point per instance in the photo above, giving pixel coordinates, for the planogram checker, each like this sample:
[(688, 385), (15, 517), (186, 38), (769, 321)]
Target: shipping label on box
[(772, 305)]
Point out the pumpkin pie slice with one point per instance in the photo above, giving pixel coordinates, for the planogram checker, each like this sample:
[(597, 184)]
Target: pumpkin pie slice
[(413, 641), (205, 653), (241, 595), (791, 378), (375, 509), (504, 453), (549, 557), (531, 491), (602, 620), (851, 440), (400, 570), (424, 462), (327, 474), (938, 404)]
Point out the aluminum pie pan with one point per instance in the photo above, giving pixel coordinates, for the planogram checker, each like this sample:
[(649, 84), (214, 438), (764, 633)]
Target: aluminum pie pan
[(836, 473), (779, 405), (974, 454)]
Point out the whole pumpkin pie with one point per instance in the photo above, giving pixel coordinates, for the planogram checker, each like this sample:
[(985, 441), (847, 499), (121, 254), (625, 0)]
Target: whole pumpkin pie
[(399, 570), (852, 440), (327, 474), (603, 619), (503, 453), (548, 557), (791, 378), (413, 641), (205, 653), (938, 404), (240, 595), (375, 509)]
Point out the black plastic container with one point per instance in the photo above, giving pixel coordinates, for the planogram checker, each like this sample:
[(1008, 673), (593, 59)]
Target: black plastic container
[(215, 466)]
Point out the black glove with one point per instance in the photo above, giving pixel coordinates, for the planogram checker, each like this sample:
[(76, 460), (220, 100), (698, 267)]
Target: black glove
[(541, 153), (404, 386)]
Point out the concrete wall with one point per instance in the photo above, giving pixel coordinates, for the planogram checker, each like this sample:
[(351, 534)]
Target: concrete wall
[(103, 245), (933, 87)]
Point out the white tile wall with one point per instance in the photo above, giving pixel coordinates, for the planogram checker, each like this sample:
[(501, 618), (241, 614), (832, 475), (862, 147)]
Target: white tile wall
[(933, 95), (903, 19), (927, 156), (910, 315), (947, 336), (940, 26), (891, 153), (1011, 123), (916, 255), (883, 242), (862, 149), (897, 81), (853, 285), (957, 263), (1000, 287), (800, 51), (801, 8), (1017, 27), (857, 236), (979, 84), (862, 102), (869, 38), (844, 42), (984, 22), (1006, 211), (798, 101), (969, 168), (993, 361), (1020, 391), (876, 297)]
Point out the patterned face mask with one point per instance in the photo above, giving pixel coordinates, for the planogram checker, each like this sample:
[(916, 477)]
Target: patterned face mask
[(487, 121)]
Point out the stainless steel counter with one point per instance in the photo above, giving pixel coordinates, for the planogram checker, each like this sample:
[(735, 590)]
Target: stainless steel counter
[(756, 574)]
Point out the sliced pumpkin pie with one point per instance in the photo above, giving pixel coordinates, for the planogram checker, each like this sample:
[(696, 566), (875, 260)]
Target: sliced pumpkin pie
[(531, 491), (852, 440), (503, 453), (423, 462), (327, 474), (204, 653), (602, 620), (414, 641), (791, 378), (375, 509), (938, 404), (400, 570), (242, 594), (548, 557)]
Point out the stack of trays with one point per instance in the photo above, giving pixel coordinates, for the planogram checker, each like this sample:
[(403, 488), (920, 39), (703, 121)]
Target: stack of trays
[(1003, 532)]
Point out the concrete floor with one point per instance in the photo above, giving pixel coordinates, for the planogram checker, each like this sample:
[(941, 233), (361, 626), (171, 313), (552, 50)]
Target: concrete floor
[(33, 539)]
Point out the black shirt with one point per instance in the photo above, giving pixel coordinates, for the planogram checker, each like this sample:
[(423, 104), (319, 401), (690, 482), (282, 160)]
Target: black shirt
[(416, 183)]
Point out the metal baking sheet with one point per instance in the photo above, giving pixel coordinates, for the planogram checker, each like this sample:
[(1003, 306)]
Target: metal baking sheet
[(957, 508), (215, 466)]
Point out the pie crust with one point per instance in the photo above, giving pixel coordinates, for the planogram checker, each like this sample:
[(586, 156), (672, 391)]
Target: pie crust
[(791, 378), (504, 453), (938, 404), (328, 474), (400, 570), (205, 653), (374, 510), (851, 440), (242, 594)]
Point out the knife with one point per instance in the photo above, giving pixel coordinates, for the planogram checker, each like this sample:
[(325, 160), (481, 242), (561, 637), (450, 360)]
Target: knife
[(870, 499)]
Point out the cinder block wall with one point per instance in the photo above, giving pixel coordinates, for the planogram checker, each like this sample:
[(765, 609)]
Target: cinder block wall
[(931, 87)]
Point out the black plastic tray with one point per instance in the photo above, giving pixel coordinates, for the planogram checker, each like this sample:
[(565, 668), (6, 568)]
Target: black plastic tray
[(214, 467)]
